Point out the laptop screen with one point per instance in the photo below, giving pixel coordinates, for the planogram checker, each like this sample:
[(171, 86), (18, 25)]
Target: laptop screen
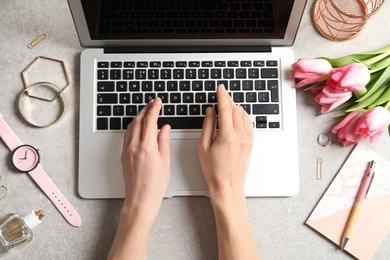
[(187, 19), (110, 23)]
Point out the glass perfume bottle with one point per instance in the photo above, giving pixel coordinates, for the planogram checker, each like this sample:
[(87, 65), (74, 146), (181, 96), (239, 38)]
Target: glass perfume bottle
[(15, 231)]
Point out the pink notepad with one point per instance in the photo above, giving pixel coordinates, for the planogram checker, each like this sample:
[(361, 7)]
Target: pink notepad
[(330, 216)]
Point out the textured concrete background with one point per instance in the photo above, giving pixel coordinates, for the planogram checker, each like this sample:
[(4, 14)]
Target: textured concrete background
[(185, 226)]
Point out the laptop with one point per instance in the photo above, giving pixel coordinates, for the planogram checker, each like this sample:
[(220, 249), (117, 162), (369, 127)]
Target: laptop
[(180, 50)]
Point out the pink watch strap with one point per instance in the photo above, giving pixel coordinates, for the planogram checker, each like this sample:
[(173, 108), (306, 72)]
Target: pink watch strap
[(41, 178), (55, 195), (8, 136)]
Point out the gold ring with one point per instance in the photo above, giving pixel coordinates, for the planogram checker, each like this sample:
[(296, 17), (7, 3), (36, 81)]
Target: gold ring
[(59, 95)]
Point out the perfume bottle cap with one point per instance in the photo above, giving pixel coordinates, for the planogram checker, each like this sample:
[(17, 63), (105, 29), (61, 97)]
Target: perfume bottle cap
[(34, 218)]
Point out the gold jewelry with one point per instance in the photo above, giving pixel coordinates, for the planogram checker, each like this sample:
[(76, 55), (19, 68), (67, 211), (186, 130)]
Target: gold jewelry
[(26, 94), (58, 92)]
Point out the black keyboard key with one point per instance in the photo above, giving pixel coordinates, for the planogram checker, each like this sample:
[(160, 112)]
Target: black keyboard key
[(272, 63), (181, 122), (246, 63), (203, 73), (159, 86), (178, 73), (102, 123), (121, 86), (194, 64), (274, 125), (172, 86), (238, 97), (115, 123), (209, 85), (200, 97), (102, 74), (258, 63), (155, 64), (134, 86), (142, 64), (129, 64), (190, 73), (259, 109), (261, 122), (140, 74), (228, 73), (116, 64), (166, 74), (106, 86), (131, 110), (181, 64), (207, 63), (216, 73), (124, 98), (253, 73), (103, 64), (197, 85), (137, 98), (182, 110), (251, 97), (184, 86), (175, 97), (241, 73), (107, 98), (269, 73), (118, 110), (188, 97), (233, 63), (104, 110), (169, 110), (168, 64), (128, 74), (195, 110), (115, 74), (273, 86), (220, 64)]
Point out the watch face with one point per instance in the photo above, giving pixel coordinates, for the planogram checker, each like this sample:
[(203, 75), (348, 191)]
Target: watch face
[(25, 158)]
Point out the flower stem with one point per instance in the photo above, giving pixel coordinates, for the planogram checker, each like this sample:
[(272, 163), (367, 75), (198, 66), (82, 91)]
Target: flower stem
[(359, 94), (387, 105)]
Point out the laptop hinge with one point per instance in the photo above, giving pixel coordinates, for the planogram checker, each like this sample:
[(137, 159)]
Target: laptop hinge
[(187, 49)]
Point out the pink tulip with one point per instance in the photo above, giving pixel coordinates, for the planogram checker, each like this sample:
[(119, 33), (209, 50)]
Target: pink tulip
[(374, 123), (351, 77), (310, 71), (329, 99), (346, 129)]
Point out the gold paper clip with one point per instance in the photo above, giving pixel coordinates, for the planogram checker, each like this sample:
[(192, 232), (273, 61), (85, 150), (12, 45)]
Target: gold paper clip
[(319, 169), (36, 41)]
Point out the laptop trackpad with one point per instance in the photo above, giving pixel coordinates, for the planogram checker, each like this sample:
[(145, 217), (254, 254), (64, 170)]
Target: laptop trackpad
[(186, 176)]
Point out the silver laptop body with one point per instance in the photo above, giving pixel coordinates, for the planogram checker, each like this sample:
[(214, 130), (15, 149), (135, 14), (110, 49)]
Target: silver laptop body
[(273, 169)]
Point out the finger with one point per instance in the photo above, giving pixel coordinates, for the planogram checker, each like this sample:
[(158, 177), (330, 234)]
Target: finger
[(136, 126), (149, 122), (248, 125), (238, 122), (164, 141), (208, 129), (224, 109)]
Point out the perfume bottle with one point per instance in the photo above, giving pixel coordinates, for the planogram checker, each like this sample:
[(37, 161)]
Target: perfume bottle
[(15, 231)]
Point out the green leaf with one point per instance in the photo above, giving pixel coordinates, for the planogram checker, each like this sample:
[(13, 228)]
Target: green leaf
[(367, 102), (376, 84), (315, 85), (384, 97)]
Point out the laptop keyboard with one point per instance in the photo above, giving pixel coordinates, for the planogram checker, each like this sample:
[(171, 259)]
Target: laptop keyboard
[(186, 88)]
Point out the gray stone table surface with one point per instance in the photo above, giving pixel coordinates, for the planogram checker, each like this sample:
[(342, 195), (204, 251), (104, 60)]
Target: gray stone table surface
[(185, 227)]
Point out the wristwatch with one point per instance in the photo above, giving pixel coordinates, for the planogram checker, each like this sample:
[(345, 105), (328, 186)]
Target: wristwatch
[(26, 158)]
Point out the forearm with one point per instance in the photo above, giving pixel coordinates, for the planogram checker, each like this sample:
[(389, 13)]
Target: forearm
[(235, 239), (132, 237)]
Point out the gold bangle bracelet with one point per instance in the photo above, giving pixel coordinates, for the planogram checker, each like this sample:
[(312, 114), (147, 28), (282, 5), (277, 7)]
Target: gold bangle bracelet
[(60, 96)]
